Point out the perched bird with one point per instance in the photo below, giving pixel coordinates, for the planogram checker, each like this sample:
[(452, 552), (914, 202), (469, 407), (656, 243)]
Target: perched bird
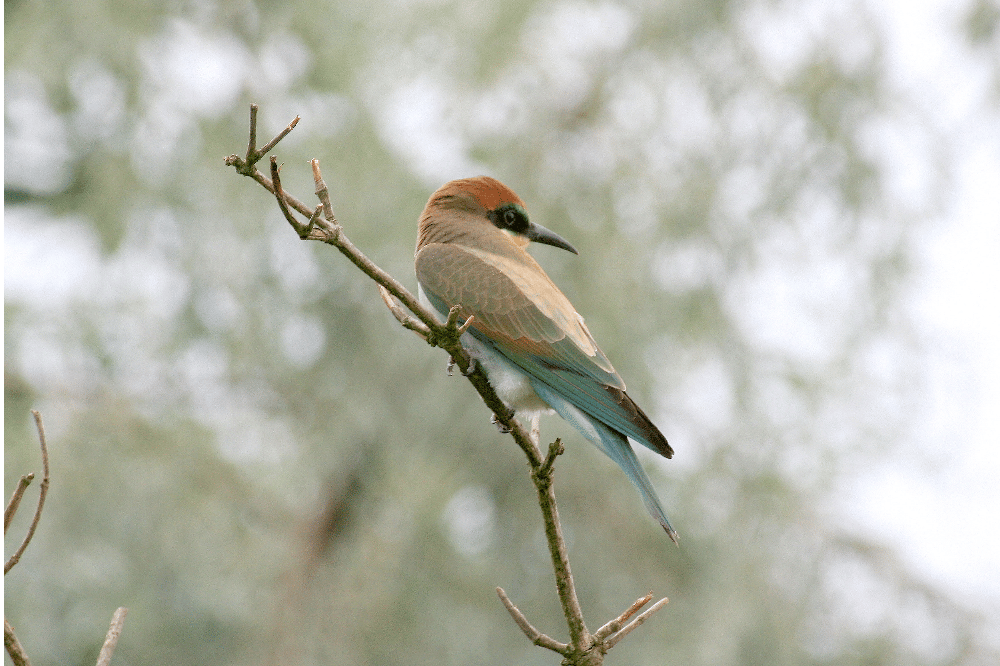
[(533, 345)]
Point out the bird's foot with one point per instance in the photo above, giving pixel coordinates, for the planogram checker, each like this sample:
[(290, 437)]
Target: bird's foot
[(495, 420), (465, 373)]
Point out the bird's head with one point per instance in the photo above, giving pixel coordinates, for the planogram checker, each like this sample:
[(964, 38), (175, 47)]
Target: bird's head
[(473, 210)]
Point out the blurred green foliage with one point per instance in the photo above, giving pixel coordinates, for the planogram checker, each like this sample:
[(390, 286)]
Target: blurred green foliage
[(252, 456)]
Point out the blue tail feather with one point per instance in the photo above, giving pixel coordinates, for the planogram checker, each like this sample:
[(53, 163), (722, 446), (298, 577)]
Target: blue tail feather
[(615, 445)]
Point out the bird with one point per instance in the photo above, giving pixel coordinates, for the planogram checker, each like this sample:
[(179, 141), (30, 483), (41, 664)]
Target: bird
[(535, 349)]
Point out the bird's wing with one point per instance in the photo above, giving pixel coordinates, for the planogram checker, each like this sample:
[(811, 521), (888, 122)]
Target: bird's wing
[(519, 312)]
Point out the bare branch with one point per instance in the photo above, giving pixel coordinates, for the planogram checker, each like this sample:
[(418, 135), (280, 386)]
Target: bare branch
[(464, 327), (556, 449), (613, 641), (303, 230), (111, 640), (252, 156), (13, 646), (580, 638), (617, 623), (273, 142), (42, 492), (535, 636), (406, 320), (246, 165), (452, 321), (15, 499), (323, 193), (583, 647)]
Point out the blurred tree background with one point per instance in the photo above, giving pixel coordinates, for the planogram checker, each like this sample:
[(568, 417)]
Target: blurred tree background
[(252, 456)]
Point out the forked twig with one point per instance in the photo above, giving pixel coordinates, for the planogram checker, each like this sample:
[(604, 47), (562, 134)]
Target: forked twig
[(616, 624), (11, 643), (627, 629), (43, 490)]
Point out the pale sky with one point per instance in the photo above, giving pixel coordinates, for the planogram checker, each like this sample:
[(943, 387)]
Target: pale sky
[(949, 531)]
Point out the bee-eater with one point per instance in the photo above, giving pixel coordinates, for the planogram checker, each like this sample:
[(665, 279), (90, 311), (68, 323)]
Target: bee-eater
[(531, 342)]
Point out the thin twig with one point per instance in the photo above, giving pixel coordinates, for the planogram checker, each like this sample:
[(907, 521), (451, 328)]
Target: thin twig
[(311, 224), (465, 327), (452, 320), (281, 135), (245, 165), (42, 492), (613, 641), (401, 316), (252, 156), (15, 499), (111, 640), (556, 449), (303, 230), (578, 635), (323, 194), (13, 646), (617, 623), (535, 636)]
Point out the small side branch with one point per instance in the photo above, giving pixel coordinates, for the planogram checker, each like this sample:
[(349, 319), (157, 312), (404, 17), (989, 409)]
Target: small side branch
[(15, 499), (42, 492), (535, 636), (303, 230), (247, 165), (253, 155), (627, 629), (111, 640), (401, 316)]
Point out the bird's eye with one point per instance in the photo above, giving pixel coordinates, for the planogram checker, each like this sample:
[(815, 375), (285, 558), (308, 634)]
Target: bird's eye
[(509, 216)]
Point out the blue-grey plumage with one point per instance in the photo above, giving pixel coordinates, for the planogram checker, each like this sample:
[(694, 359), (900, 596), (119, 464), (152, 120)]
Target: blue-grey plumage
[(533, 345)]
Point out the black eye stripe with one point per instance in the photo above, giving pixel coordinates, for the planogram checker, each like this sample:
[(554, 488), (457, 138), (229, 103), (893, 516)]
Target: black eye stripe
[(510, 216)]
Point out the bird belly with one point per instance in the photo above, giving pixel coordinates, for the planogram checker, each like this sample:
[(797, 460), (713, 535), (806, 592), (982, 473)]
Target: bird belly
[(511, 383)]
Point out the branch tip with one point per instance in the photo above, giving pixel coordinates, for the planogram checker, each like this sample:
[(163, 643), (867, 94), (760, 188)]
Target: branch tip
[(535, 636), (15, 499), (628, 628), (616, 624), (465, 327)]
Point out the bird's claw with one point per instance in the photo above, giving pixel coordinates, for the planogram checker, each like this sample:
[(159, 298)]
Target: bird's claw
[(465, 373), (495, 420), (473, 364)]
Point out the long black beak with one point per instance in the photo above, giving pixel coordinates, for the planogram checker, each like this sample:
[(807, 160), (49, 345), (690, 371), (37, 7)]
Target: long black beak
[(539, 234)]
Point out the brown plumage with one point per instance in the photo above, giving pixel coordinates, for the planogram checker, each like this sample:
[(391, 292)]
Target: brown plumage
[(532, 343)]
